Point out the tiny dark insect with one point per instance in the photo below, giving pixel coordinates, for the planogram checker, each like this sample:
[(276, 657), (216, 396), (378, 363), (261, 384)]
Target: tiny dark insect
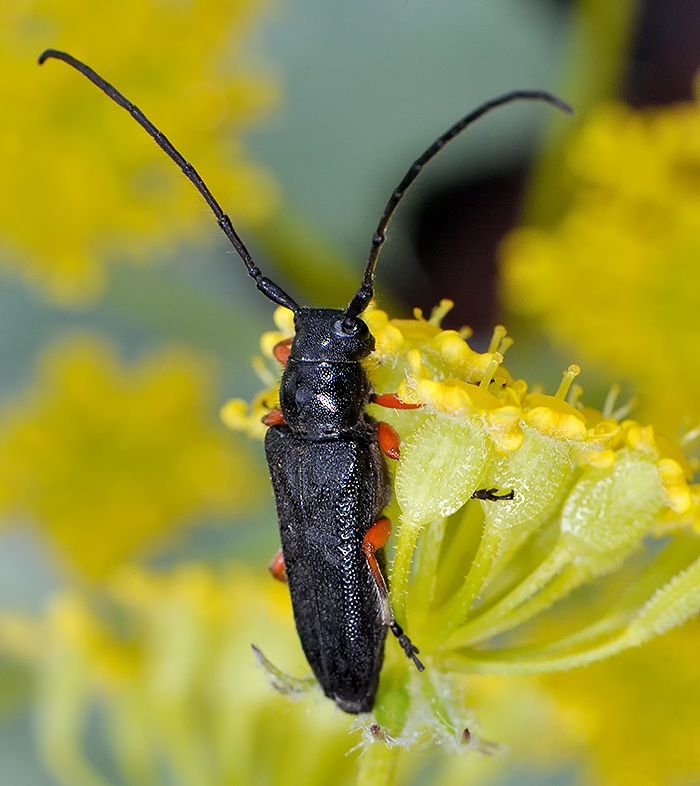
[(325, 453)]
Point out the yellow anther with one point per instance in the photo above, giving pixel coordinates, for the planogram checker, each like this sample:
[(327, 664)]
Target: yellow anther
[(453, 350), (495, 362), (454, 396), (499, 333), (672, 478), (407, 393), (503, 426), (639, 437), (465, 332), (671, 450), (388, 339), (557, 423), (376, 319), (440, 311), (415, 362), (569, 375), (606, 430)]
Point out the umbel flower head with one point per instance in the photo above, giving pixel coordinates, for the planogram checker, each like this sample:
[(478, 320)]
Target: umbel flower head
[(106, 457), (74, 198), (630, 235), (475, 580)]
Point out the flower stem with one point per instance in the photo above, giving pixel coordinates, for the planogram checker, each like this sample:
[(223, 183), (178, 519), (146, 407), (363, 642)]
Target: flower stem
[(378, 765), (666, 608), (401, 567), (425, 580), (525, 600), (455, 611)]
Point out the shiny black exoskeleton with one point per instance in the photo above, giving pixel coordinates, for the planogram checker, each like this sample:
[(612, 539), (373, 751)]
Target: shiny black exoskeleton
[(326, 466), (330, 486)]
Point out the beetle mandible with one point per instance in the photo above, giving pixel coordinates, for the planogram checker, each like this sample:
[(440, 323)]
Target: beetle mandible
[(324, 452)]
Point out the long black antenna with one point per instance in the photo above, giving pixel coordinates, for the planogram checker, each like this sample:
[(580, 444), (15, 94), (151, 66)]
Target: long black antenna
[(267, 287), (364, 294)]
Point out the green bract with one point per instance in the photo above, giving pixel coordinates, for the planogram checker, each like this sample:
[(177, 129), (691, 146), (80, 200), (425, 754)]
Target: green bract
[(442, 464), (609, 510)]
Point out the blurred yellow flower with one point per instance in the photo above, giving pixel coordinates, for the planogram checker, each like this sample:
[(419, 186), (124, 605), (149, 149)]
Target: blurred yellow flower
[(83, 186), (168, 660), (633, 719), (618, 277), (105, 456)]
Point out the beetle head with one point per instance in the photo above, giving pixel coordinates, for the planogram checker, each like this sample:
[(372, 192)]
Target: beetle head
[(329, 334)]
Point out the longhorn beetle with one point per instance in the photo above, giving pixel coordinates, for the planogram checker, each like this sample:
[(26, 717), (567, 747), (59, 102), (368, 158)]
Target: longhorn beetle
[(324, 452)]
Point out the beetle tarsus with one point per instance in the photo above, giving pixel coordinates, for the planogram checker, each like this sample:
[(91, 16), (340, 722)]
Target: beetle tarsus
[(492, 495), (406, 644)]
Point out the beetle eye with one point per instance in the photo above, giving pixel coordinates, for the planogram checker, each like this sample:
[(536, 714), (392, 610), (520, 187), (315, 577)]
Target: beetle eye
[(347, 327)]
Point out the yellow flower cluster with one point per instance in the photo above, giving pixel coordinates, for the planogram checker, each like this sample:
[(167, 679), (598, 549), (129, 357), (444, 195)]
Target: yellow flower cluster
[(106, 457), (632, 719), (438, 370), (168, 659), (587, 487), (82, 184), (618, 277)]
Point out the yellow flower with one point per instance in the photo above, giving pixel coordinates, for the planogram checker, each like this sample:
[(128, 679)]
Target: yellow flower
[(575, 492), (106, 457), (83, 186), (168, 659), (633, 719), (618, 277)]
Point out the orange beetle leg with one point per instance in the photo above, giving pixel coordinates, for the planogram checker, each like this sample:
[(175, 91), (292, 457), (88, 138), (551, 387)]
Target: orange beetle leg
[(388, 440), (273, 418), (281, 351), (375, 538), (276, 567), (391, 401)]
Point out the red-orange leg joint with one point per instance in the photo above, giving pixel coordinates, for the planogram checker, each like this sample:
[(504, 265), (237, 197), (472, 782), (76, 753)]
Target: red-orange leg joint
[(281, 351), (375, 538), (389, 440), (273, 418), (392, 401), (276, 567)]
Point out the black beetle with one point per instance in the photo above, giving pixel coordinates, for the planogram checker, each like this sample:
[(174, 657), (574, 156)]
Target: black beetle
[(325, 453)]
